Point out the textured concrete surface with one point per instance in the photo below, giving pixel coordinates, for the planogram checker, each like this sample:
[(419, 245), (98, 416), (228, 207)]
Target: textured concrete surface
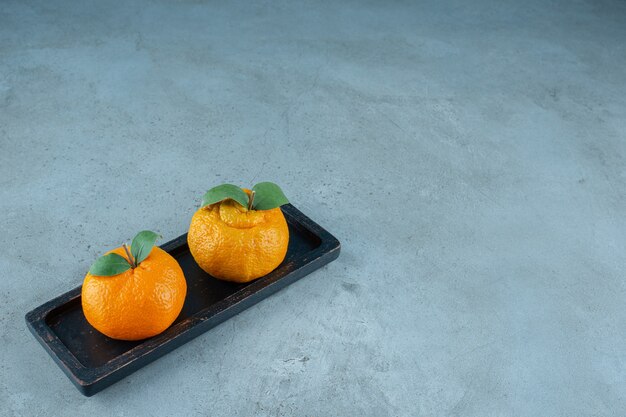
[(470, 156)]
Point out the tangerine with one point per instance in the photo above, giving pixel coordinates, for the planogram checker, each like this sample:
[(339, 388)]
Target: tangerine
[(235, 243), (139, 303)]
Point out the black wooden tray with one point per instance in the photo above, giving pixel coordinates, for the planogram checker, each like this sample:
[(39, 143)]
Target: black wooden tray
[(93, 361)]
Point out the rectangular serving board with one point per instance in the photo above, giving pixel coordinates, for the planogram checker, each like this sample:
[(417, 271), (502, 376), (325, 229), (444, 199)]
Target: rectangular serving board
[(93, 361)]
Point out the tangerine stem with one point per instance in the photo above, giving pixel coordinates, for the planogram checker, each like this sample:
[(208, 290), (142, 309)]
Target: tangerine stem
[(131, 260), (251, 199)]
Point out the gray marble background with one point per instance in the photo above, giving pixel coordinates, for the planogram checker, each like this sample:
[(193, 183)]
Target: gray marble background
[(470, 156)]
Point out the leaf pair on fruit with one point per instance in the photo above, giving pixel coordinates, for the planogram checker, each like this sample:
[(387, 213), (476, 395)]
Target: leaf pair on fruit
[(263, 196), (114, 264)]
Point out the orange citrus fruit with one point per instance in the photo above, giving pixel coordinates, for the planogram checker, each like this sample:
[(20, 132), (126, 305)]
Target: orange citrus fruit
[(138, 303), (233, 243)]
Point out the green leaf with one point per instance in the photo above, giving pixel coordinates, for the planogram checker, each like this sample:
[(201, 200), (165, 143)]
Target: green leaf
[(267, 196), (223, 192), (109, 265), (142, 244)]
